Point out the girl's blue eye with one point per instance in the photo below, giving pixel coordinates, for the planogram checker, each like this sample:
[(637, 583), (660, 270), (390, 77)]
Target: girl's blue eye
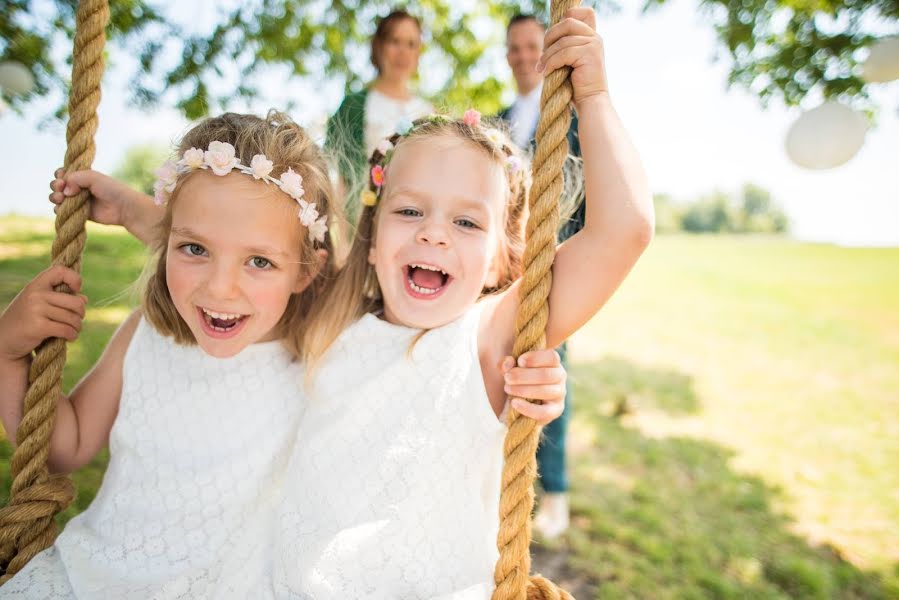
[(260, 263), (409, 212), (468, 224), (194, 249)]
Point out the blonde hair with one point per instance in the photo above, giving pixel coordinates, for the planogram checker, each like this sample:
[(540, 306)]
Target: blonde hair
[(356, 291), (287, 145)]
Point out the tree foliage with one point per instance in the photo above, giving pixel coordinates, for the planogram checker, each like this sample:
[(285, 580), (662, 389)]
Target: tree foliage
[(753, 211), (139, 164), (786, 49), (314, 37), (790, 49)]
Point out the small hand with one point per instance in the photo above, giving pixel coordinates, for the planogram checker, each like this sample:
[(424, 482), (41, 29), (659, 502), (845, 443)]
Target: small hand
[(573, 42), (38, 312), (538, 376), (109, 198)]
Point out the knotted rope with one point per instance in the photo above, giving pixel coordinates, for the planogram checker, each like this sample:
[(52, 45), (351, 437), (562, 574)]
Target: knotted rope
[(512, 572), (27, 525)]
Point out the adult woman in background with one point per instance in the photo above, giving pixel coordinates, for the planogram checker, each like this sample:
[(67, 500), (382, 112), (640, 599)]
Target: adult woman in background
[(365, 118)]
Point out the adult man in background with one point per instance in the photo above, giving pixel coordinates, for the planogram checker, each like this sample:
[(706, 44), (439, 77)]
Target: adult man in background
[(524, 44)]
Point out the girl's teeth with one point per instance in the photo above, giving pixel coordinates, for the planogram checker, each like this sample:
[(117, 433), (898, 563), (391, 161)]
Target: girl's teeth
[(428, 268), (422, 290), (221, 316)]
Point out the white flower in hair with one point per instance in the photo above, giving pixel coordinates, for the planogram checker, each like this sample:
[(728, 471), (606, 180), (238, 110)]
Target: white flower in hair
[(308, 212), (167, 176), (192, 159), (292, 184), (495, 136), (220, 158), (318, 229), (260, 166)]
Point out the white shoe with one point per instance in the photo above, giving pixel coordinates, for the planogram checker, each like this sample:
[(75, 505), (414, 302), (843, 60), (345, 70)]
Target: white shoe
[(552, 518)]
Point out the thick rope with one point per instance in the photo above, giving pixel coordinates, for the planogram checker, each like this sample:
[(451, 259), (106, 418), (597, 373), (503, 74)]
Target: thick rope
[(27, 525), (512, 572)]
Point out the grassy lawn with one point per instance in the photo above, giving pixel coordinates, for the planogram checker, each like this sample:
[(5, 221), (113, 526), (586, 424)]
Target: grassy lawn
[(757, 455)]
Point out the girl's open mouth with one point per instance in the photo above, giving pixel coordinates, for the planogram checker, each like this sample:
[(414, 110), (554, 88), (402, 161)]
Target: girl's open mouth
[(221, 325), (425, 281)]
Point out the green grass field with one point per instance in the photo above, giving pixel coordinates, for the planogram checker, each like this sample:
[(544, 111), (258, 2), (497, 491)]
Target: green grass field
[(735, 434)]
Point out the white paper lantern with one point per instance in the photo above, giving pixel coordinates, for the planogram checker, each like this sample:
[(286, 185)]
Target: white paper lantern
[(826, 137), (882, 64), (15, 78)]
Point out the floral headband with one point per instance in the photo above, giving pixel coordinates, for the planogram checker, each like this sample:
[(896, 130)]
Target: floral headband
[(380, 158), (221, 159)]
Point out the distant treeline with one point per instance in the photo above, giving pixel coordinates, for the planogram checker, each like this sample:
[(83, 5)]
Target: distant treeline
[(753, 211)]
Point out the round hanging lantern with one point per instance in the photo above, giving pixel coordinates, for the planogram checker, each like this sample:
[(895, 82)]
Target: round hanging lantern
[(882, 64), (15, 78), (826, 137)]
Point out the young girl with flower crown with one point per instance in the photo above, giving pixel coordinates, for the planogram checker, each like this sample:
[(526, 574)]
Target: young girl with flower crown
[(393, 488), (196, 393)]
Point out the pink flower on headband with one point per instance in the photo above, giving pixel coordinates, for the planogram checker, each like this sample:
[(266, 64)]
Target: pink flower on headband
[(318, 229), (292, 184), (192, 159), (260, 166), (166, 179), (220, 158), (377, 175), (308, 212), (472, 118)]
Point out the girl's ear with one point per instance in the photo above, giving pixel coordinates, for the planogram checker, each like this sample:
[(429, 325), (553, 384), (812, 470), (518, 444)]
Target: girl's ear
[(304, 278)]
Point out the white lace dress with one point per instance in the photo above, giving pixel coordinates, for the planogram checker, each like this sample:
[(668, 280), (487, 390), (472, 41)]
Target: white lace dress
[(187, 505), (393, 488)]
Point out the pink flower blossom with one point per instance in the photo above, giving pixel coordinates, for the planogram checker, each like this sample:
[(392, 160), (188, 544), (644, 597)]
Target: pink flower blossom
[(292, 184), (192, 159), (377, 175), (261, 166), (220, 158), (318, 229), (472, 118), (167, 176), (308, 212)]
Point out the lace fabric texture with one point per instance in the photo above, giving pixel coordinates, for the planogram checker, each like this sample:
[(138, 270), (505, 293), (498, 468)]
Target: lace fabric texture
[(393, 488), (187, 505)]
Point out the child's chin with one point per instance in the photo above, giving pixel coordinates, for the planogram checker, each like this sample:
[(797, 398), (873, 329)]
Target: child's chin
[(431, 321), (222, 350)]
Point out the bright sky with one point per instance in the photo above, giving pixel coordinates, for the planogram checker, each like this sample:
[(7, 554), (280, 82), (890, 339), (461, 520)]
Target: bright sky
[(693, 134)]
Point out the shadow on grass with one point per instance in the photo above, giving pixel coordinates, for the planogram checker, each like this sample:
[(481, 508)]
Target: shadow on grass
[(670, 518)]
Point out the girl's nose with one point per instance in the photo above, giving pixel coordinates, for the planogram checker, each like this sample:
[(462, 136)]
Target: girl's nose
[(224, 282), (434, 234)]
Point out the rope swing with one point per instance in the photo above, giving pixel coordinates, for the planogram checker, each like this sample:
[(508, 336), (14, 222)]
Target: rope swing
[(512, 572), (27, 524)]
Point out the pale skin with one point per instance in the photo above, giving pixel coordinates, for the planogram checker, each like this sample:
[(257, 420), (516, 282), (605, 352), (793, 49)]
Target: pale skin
[(457, 226)]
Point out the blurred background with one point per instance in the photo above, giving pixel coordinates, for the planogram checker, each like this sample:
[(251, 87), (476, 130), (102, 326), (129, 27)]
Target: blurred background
[(735, 429)]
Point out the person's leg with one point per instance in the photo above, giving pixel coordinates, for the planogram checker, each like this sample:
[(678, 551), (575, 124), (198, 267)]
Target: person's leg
[(552, 517)]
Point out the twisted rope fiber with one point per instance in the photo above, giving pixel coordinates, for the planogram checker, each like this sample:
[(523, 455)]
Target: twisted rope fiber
[(27, 525), (512, 572)]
